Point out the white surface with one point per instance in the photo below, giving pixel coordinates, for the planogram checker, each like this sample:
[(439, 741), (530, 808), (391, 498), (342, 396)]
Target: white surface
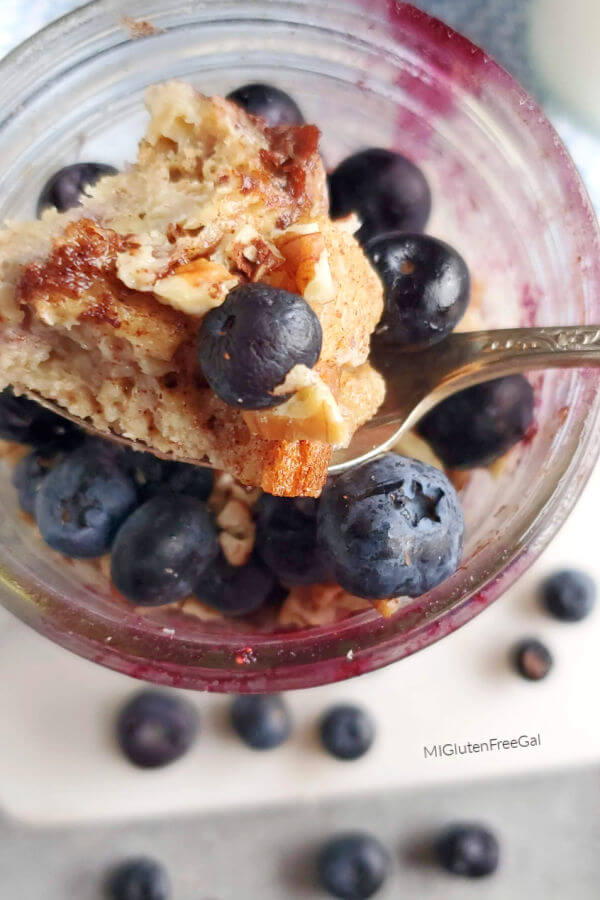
[(564, 40), (58, 761)]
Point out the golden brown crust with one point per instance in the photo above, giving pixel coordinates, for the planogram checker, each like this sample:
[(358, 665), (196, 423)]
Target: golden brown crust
[(296, 469)]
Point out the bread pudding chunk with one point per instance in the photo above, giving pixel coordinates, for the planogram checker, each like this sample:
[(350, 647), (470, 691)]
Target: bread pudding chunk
[(102, 306)]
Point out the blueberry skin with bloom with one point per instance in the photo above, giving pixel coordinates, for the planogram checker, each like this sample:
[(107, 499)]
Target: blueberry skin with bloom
[(155, 728), (139, 878), (392, 526), (353, 866), (387, 191), (262, 721), (427, 286), (286, 539), (480, 424), (66, 187), (29, 475), (235, 590), (273, 104), (569, 595), (26, 422), (471, 851), (347, 731), (83, 501), (253, 340), (161, 550)]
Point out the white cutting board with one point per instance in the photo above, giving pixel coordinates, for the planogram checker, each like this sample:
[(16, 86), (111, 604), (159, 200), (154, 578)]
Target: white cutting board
[(59, 763)]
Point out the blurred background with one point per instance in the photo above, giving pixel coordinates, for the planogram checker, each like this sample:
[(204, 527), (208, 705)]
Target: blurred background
[(228, 823)]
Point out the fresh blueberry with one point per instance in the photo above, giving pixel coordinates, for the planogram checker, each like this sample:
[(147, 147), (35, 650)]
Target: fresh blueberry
[(161, 550), (532, 659), (235, 590), (353, 866), (262, 720), (347, 731), (392, 526), (427, 287), (286, 539), (28, 477), (83, 501), (193, 481), (249, 344), (386, 190), (66, 187), (154, 729), (478, 425), (570, 595), (468, 850), (27, 422), (139, 879), (267, 101), (148, 472)]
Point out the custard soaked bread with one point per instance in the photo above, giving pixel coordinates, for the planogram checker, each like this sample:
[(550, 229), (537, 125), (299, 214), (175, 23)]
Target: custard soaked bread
[(101, 307)]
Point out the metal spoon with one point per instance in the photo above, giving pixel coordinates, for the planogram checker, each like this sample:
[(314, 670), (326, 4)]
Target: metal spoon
[(418, 381)]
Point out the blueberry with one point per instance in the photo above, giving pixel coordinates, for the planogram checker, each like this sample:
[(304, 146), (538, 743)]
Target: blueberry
[(66, 187), (386, 190), (468, 850), (139, 879), (161, 550), (148, 472), (426, 284), (570, 595), (27, 422), (28, 477), (478, 425), (347, 731), (286, 539), (154, 729), (532, 659), (262, 721), (392, 526), (82, 502), (249, 344), (193, 481), (273, 104), (353, 866), (235, 590)]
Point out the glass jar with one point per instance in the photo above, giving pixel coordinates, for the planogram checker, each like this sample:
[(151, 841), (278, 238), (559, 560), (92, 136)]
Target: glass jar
[(506, 195)]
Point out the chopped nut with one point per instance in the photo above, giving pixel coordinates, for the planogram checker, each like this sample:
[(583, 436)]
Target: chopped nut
[(196, 287), (238, 532)]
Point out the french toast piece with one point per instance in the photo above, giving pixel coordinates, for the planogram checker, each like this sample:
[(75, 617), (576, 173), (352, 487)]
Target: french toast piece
[(100, 306)]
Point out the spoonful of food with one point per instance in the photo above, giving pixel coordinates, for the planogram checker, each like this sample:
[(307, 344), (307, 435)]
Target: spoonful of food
[(417, 381)]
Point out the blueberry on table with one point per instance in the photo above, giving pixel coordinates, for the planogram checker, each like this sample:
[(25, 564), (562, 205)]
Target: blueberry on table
[(386, 190), (286, 539), (66, 187), (28, 477), (532, 659), (235, 590), (426, 288), (161, 550), (569, 595), (139, 878), (478, 425), (392, 526), (353, 866), (262, 721), (468, 850), (25, 421), (82, 502), (273, 104), (250, 343), (154, 729), (347, 731)]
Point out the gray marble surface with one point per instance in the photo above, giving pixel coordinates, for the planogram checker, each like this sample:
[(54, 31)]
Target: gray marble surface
[(549, 830)]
